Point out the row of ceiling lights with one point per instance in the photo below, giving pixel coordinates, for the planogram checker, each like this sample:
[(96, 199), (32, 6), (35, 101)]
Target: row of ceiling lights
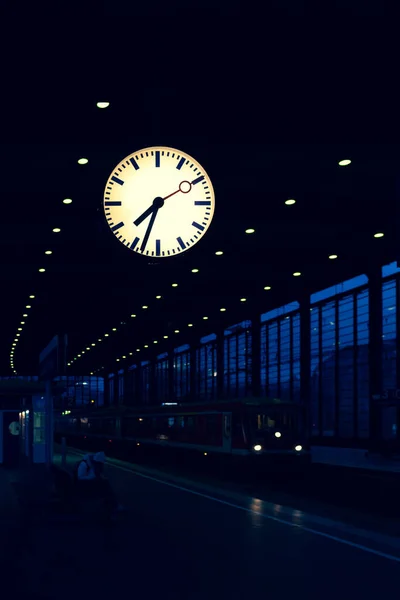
[(144, 307), (84, 161), (81, 161), (158, 297)]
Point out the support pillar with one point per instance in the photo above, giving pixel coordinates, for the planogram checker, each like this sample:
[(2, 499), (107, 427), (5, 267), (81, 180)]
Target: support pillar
[(256, 356), (193, 374), (171, 382), (220, 364), (375, 352), (305, 361)]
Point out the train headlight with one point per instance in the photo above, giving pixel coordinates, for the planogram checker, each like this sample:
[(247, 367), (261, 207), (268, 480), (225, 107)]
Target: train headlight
[(298, 448), (278, 434), (257, 448)]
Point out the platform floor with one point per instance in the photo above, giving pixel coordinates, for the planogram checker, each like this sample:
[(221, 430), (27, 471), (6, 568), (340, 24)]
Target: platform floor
[(354, 458), (179, 542)]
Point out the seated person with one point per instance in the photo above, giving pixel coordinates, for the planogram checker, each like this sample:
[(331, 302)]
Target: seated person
[(92, 483)]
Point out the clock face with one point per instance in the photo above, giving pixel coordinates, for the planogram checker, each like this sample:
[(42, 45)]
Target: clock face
[(159, 201)]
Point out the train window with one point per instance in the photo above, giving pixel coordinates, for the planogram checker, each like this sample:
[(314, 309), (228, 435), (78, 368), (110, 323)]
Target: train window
[(277, 420), (171, 421)]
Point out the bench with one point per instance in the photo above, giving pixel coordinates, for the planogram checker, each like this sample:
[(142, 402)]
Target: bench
[(70, 499)]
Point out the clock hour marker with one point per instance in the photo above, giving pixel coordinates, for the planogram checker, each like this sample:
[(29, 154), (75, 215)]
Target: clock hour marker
[(202, 202), (180, 163), (158, 247), (117, 226), (198, 180), (180, 242), (135, 243), (157, 158), (198, 225), (112, 203), (116, 180), (134, 164)]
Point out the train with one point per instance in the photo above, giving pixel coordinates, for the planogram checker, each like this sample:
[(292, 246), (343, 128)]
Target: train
[(264, 432)]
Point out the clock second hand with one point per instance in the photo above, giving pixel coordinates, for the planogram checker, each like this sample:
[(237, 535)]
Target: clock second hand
[(180, 189), (152, 208)]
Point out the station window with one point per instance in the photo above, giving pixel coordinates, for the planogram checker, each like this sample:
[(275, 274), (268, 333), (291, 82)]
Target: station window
[(389, 326), (280, 353), (237, 360), (339, 364), (146, 380), (206, 369), (182, 375), (162, 380)]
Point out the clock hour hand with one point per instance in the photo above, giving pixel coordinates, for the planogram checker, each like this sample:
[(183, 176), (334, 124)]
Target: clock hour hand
[(144, 215), (157, 203)]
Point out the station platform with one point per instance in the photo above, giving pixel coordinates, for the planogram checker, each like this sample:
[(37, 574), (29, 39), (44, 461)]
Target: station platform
[(354, 458), (185, 541)]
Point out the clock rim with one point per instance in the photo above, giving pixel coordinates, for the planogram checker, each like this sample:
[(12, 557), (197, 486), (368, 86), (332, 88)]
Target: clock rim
[(188, 156)]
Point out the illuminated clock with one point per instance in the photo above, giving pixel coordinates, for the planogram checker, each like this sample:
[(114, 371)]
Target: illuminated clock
[(159, 201)]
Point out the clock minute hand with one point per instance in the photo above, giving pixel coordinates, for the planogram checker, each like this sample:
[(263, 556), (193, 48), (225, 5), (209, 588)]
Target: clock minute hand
[(149, 228)]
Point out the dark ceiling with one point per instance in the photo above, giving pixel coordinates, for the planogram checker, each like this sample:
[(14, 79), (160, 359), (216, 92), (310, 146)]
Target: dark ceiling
[(93, 283)]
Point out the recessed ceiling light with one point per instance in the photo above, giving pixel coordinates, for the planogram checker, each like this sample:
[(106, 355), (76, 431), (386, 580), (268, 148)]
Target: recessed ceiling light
[(42, 270), (378, 235), (290, 201), (146, 345), (114, 329), (332, 256), (250, 230), (205, 318), (195, 270), (79, 355), (174, 285), (83, 161), (219, 252), (99, 340), (137, 349), (222, 309), (83, 352), (103, 104), (25, 315), (158, 297), (48, 252), (22, 322), (344, 162), (133, 316), (56, 230), (190, 324), (31, 296), (176, 330), (144, 307), (165, 337), (67, 201), (155, 342), (296, 274), (124, 357), (88, 348), (117, 359), (19, 328), (267, 287), (93, 344), (28, 306), (106, 334), (243, 299)]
